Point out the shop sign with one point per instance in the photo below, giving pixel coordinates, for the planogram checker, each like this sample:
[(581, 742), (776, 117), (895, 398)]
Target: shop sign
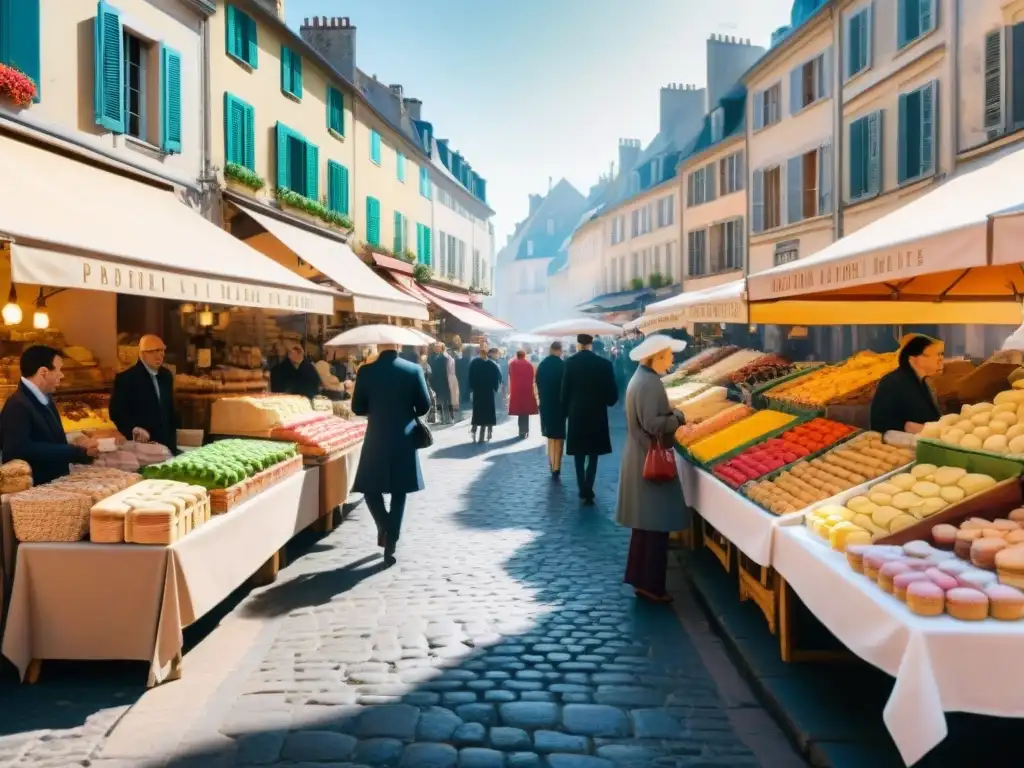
[(832, 277), (716, 312)]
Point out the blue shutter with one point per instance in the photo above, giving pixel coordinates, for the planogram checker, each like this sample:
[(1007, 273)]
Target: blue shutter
[(796, 90), (109, 56), (296, 75), (757, 201), (825, 74), (427, 245), (874, 153), (901, 139), (249, 134), (794, 189), (901, 23), (170, 93), (867, 20), (710, 178), (929, 15), (400, 166), (758, 107), (252, 51), (399, 241), (19, 37), (232, 32), (858, 160), (852, 38), (373, 221), (929, 110), (234, 130), (375, 146), (283, 166), (312, 172), (286, 69), (824, 180), (337, 187), (335, 111)]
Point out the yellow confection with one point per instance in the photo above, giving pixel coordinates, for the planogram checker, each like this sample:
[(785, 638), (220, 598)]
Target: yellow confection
[(858, 503), (926, 490), (739, 433), (883, 516), (946, 476), (922, 471), (832, 383), (904, 481), (900, 522), (975, 483), (859, 536), (838, 535)]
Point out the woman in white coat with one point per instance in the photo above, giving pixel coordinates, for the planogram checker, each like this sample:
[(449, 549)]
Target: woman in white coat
[(652, 510)]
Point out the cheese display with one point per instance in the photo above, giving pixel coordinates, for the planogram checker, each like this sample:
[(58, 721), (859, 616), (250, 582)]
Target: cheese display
[(895, 504), (690, 433), (703, 405), (792, 445), (848, 382), (15, 476), (997, 426), (150, 512), (933, 582), (81, 413), (720, 372), (855, 462), (222, 464), (256, 415), (739, 434), (319, 434)]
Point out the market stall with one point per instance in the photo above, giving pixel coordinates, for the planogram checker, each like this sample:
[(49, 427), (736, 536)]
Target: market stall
[(725, 303)]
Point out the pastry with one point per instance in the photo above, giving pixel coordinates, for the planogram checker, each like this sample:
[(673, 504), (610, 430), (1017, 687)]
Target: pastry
[(964, 539), (1017, 515), (855, 556), (975, 522), (1005, 603), (992, 533), (903, 580), (954, 567), (1015, 537), (939, 556), (874, 559), (967, 604), (1010, 566), (983, 552), (944, 535), (1005, 525), (926, 598), (944, 580), (977, 579), (889, 571)]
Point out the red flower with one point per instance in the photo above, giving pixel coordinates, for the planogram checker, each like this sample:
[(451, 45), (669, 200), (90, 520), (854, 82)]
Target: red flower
[(16, 86)]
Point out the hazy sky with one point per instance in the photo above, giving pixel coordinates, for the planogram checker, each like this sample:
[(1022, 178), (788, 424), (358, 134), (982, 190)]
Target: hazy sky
[(528, 89)]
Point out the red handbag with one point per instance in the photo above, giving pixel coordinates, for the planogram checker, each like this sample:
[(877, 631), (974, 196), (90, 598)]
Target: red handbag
[(660, 463)]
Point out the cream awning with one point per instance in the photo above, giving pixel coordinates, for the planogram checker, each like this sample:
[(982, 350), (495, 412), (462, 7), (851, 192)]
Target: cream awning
[(371, 293), (943, 231), (725, 303), (74, 225)]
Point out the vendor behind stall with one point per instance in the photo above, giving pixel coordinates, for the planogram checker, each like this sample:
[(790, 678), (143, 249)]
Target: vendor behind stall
[(30, 426), (903, 400), (296, 375), (142, 403)]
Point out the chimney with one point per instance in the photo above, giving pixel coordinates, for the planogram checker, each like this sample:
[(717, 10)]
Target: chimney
[(727, 59), (333, 38), (274, 6), (679, 103), (414, 108), (535, 203), (629, 153), (396, 91)]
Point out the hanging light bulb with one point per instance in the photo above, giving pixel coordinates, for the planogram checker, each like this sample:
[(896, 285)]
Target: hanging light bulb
[(11, 312), (206, 317), (187, 309), (41, 318)]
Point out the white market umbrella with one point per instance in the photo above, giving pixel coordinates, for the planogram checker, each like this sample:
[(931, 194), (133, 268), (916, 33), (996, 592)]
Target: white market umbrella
[(372, 335), (527, 338), (575, 327)]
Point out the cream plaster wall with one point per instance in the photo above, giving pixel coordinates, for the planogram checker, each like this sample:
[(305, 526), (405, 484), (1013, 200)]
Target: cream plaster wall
[(722, 208), (586, 268), (67, 80), (658, 236), (450, 222)]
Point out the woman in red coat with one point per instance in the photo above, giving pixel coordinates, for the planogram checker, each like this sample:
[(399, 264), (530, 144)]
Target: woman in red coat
[(522, 400)]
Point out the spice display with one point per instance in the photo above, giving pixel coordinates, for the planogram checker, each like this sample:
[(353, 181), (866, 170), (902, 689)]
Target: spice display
[(997, 426), (690, 433), (848, 382), (222, 464), (699, 362), (720, 372), (763, 369), (739, 434)]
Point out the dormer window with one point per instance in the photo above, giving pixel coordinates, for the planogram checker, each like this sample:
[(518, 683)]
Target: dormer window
[(717, 125)]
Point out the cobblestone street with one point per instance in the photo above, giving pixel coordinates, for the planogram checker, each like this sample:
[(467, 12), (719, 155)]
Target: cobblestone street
[(503, 637)]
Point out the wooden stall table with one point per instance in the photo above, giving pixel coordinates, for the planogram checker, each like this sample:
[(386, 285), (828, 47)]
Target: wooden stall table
[(87, 601), (337, 473)]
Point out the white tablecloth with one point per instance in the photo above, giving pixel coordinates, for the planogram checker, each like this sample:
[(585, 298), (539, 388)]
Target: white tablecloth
[(940, 664)]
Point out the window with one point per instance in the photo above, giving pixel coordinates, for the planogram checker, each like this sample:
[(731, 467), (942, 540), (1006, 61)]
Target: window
[(335, 112), (400, 238), (424, 182), (717, 125), (786, 252), (701, 186), (423, 244), (241, 41), (337, 187), (442, 249), (809, 185), (669, 262), (727, 246), (136, 75), (914, 19), (549, 226), (21, 50), (697, 247), (622, 273), (291, 72), (400, 166), (656, 263), (476, 269), (917, 132), (239, 132), (529, 247), (374, 147), (766, 199), (373, 221), (858, 41), (666, 211), (634, 218), (1003, 81), (866, 156), (618, 229), (731, 173), (461, 271), (453, 256), (297, 163), (809, 82), (635, 265), (766, 106)]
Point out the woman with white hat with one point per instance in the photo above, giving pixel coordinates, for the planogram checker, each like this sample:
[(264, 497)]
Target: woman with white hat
[(652, 509)]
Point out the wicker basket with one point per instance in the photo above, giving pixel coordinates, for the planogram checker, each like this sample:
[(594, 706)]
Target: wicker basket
[(46, 515)]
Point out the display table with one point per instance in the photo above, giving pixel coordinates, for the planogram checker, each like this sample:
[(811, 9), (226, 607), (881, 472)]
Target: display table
[(940, 664), (126, 601), (337, 474)]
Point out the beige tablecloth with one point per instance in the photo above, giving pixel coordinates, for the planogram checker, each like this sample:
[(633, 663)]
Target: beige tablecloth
[(126, 601)]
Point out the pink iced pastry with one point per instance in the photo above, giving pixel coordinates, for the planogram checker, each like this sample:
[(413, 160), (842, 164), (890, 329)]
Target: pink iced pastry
[(944, 580), (944, 535), (904, 580), (955, 567), (967, 604), (890, 570), (1004, 602), (926, 598), (918, 548), (977, 579)]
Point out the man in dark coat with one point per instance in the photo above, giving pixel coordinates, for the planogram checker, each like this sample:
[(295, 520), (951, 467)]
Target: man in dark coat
[(552, 417), (391, 393), (30, 426), (142, 403), (296, 375), (439, 383), (588, 391), (462, 375), (484, 383)]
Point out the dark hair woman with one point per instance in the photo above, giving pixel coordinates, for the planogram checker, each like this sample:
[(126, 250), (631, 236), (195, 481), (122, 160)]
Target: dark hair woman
[(903, 401)]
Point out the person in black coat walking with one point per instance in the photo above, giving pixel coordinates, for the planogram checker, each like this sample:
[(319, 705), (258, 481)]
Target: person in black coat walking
[(588, 391), (439, 382), (30, 426), (296, 375), (391, 393), (142, 402), (484, 382), (552, 417)]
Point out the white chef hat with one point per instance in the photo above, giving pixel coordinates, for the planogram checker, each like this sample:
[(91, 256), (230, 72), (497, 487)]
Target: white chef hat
[(653, 344)]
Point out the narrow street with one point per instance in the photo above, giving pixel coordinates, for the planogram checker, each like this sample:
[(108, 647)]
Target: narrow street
[(503, 637)]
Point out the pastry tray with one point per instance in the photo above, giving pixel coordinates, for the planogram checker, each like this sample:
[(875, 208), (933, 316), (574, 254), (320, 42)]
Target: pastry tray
[(225, 499)]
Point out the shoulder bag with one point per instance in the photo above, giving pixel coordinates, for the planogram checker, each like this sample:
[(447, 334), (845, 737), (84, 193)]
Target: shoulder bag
[(422, 437)]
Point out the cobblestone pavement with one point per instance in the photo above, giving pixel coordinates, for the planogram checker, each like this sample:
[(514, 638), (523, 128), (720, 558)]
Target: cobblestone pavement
[(504, 637)]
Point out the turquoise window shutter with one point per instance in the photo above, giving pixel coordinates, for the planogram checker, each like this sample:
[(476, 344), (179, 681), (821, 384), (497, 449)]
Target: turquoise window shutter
[(233, 130), (419, 243), (929, 97), (398, 246), (337, 187), (283, 132), (19, 37), (874, 152), (343, 200), (286, 69), (232, 33), (249, 133), (109, 57), (373, 221), (296, 75), (795, 189), (427, 245), (858, 159), (375, 146), (312, 171), (170, 98), (901, 140), (335, 111), (400, 166), (251, 41)]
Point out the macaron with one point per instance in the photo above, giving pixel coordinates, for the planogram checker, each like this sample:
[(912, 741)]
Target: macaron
[(967, 604), (925, 598)]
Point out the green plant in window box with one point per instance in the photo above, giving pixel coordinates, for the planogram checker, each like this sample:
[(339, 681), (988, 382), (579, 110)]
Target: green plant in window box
[(408, 256), (656, 280), (313, 208), (421, 273), (636, 283), (234, 172)]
